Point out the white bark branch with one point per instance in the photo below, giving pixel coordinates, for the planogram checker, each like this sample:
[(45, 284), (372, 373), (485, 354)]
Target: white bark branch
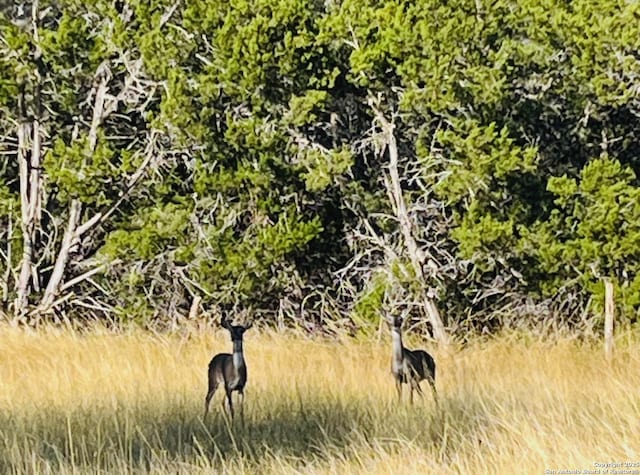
[(68, 243), (168, 14), (87, 275), (103, 105)]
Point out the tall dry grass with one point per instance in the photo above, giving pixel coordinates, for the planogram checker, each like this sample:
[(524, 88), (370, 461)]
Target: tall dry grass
[(133, 403)]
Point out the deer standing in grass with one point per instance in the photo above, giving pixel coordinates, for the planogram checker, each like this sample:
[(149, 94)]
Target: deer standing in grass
[(410, 367), (230, 370)]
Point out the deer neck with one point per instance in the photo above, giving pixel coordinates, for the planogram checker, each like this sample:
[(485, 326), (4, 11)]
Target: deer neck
[(238, 356), (396, 341)]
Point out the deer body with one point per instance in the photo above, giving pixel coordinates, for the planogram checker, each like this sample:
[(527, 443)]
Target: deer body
[(230, 370), (410, 367)]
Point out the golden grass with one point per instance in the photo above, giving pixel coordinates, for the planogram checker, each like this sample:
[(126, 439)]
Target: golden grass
[(133, 402)]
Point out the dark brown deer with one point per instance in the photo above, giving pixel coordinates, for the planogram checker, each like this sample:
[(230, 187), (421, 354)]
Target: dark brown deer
[(410, 367), (230, 370)]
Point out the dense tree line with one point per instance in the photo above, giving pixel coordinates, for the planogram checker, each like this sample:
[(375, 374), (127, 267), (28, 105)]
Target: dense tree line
[(473, 162)]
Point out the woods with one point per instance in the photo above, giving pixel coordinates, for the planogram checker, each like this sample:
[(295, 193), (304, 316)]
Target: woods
[(473, 162)]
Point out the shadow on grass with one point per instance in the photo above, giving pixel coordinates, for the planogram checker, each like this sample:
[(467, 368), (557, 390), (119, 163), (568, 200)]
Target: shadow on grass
[(138, 437)]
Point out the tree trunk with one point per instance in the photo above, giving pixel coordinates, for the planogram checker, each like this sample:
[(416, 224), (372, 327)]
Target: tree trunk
[(394, 189), (30, 202), (69, 240), (29, 165), (22, 286)]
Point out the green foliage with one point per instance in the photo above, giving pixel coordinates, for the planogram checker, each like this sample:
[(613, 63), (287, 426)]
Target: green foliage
[(79, 173), (594, 231), (368, 308), (247, 262), (303, 109), (322, 167), (484, 179), (481, 159), (9, 203), (149, 233)]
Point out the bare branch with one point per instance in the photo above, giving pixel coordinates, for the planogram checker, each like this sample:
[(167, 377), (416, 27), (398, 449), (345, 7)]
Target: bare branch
[(168, 14), (87, 275)]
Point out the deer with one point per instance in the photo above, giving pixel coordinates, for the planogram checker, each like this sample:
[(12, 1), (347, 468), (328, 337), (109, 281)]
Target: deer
[(229, 369), (410, 366)]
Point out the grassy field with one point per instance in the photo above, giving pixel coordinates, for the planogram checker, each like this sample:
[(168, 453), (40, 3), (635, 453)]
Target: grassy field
[(133, 403)]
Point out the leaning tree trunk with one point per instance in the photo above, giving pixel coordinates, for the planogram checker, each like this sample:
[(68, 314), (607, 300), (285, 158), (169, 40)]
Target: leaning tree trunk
[(394, 189)]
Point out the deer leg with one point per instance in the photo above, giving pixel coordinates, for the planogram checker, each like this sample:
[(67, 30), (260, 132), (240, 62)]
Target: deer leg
[(399, 389), (418, 388), (207, 399), (242, 407), (432, 383), (230, 401)]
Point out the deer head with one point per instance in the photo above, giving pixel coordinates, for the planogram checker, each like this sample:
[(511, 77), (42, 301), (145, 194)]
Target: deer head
[(237, 329), (395, 320)]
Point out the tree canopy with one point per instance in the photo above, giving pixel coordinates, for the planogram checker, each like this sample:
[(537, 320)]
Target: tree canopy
[(320, 161)]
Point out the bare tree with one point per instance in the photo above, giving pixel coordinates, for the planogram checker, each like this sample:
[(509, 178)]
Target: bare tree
[(416, 257), (75, 230), (55, 232)]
